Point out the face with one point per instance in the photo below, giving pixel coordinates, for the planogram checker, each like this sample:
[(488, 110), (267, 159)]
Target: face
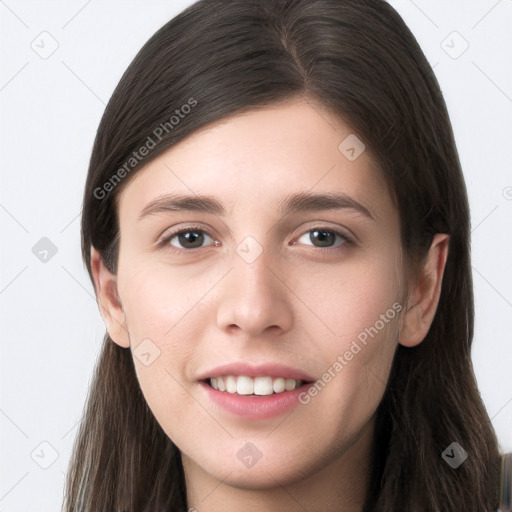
[(295, 294)]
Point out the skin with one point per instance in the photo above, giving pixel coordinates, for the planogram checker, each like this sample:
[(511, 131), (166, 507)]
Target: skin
[(294, 304)]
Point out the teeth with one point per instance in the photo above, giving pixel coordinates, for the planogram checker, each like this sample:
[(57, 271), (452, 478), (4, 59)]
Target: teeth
[(231, 386), (244, 385), (261, 386), (279, 385)]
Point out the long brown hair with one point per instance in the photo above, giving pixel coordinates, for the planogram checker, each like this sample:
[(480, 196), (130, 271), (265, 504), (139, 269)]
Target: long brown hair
[(357, 58)]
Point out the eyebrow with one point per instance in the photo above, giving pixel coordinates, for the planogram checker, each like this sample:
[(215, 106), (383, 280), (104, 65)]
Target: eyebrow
[(298, 202)]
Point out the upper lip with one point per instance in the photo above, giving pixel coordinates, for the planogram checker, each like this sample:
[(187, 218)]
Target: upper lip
[(273, 370)]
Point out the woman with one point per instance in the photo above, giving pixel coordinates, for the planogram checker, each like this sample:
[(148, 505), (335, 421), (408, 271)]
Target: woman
[(277, 228)]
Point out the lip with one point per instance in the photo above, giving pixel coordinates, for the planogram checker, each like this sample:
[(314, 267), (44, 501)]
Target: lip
[(251, 407), (273, 370)]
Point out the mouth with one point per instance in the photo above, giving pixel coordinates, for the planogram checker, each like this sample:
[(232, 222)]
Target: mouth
[(254, 386), (254, 398), (254, 391)]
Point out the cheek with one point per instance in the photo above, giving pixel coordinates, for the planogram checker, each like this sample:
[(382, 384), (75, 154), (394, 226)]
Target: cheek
[(154, 309), (349, 298), (157, 299), (359, 307), (165, 312)]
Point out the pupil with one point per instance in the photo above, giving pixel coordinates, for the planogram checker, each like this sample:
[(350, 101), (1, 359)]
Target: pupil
[(186, 238), (323, 236)]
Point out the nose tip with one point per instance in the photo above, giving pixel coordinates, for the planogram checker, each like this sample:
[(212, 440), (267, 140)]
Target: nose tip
[(253, 299)]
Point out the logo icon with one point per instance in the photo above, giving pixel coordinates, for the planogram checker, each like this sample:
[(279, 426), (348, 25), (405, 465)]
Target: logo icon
[(454, 455), (249, 249), (44, 250), (249, 455), (146, 352), (44, 455), (45, 45), (454, 45), (352, 147)]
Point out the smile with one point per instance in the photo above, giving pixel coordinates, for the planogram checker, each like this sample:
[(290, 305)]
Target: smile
[(260, 386)]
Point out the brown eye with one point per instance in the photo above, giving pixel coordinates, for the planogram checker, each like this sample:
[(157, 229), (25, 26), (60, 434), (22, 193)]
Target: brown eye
[(189, 238), (325, 238)]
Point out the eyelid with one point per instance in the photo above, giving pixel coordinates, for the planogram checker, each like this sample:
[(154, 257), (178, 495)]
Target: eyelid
[(166, 237)]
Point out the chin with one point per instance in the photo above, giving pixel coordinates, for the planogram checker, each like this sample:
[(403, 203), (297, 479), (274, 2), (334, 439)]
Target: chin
[(265, 473), (263, 478)]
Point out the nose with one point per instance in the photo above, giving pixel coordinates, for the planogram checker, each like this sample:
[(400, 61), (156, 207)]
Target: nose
[(255, 301)]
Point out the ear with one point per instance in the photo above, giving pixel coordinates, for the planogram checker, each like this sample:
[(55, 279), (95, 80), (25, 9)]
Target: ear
[(109, 303), (424, 294)]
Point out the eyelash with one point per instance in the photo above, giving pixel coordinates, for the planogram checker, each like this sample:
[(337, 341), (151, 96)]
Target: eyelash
[(196, 229)]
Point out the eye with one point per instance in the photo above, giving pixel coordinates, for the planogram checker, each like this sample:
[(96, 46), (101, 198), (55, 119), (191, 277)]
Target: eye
[(187, 238), (326, 238), (193, 237)]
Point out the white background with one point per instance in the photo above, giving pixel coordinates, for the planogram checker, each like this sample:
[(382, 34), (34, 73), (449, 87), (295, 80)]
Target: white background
[(50, 110)]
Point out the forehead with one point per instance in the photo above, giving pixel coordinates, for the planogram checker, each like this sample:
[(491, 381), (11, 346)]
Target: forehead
[(254, 159)]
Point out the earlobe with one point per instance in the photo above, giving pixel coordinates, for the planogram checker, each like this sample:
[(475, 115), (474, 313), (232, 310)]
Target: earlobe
[(109, 303), (424, 294)]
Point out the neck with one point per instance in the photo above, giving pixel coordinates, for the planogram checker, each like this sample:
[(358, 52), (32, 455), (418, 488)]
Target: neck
[(340, 486)]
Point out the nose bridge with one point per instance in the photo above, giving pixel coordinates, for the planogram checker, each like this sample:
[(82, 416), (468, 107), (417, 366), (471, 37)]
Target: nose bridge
[(253, 277), (254, 298)]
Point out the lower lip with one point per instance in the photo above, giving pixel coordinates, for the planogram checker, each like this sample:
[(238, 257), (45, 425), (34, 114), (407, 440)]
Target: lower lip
[(255, 407)]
